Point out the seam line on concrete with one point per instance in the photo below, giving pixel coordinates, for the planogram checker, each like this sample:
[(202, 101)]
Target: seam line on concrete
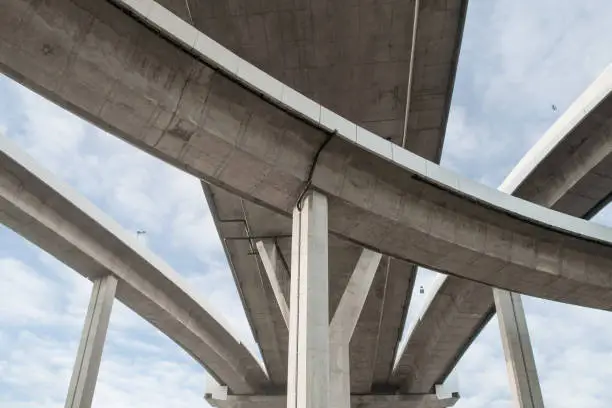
[(380, 320), (415, 28), (311, 170), (522, 348)]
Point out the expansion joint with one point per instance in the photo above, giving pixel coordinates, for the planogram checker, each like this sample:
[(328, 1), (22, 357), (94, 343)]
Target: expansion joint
[(311, 170)]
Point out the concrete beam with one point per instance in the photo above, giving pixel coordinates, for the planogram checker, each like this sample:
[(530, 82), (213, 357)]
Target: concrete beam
[(343, 325), (308, 376), (278, 278), (354, 296), (60, 221), (522, 372), (89, 354), (233, 218), (566, 170), (438, 219), (357, 401)]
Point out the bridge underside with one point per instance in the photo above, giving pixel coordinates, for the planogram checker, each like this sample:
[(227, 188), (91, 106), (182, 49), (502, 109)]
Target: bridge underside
[(186, 110), (357, 401), (354, 58)]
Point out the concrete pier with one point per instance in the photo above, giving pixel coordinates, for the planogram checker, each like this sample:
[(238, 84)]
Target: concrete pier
[(89, 355), (520, 361), (308, 374), (343, 326)]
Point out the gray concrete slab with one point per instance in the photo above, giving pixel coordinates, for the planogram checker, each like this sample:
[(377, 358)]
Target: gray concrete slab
[(357, 401), (380, 196), (232, 218), (567, 171), (350, 85), (366, 84), (57, 219), (351, 56)]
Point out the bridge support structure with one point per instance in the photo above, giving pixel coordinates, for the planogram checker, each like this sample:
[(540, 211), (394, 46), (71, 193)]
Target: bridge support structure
[(89, 354)]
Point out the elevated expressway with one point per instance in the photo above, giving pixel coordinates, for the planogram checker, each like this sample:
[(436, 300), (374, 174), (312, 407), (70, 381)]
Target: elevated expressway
[(567, 170), (57, 219), (203, 109), (356, 61)]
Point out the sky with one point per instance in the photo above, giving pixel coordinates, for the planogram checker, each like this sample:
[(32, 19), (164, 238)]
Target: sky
[(519, 57)]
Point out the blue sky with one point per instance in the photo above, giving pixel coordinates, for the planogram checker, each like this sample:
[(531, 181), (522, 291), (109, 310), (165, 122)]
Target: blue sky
[(519, 57)]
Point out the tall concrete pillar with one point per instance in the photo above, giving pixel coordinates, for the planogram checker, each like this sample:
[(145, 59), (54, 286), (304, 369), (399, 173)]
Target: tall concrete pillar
[(343, 325), (277, 278), (520, 361), (308, 366), (89, 355)]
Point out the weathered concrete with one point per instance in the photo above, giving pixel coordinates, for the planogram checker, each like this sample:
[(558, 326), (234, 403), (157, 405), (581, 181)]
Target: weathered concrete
[(343, 325), (568, 169), (369, 84), (57, 219), (379, 327), (308, 383), (353, 57), (522, 372), (235, 217), (89, 354), (380, 196), (278, 280), (357, 401), (354, 296)]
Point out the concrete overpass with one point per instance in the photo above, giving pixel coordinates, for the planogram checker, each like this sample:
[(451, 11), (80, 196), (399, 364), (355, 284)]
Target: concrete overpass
[(567, 170), (357, 61), (197, 106), (53, 216), (369, 86), (225, 126)]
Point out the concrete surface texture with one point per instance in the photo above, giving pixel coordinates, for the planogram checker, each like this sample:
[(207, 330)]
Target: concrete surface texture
[(343, 323), (50, 214), (380, 196), (357, 401), (567, 170), (89, 354), (520, 362), (308, 383), (160, 84), (354, 58), (379, 327), (268, 253)]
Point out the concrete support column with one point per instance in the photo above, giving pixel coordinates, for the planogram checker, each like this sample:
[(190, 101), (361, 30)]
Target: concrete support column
[(343, 325), (278, 280), (308, 366), (89, 355), (517, 349)]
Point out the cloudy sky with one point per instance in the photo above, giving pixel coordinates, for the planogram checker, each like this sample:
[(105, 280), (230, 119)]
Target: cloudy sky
[(519, 57)]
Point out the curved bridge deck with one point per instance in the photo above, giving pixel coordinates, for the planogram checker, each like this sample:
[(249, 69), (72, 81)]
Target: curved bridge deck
[(200, 107), (50, 214)]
